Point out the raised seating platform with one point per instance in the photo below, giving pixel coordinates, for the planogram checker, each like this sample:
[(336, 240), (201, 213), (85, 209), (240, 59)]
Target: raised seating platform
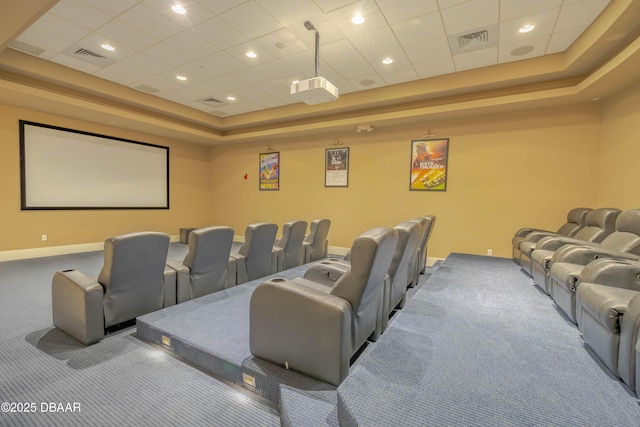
[(472, 346)]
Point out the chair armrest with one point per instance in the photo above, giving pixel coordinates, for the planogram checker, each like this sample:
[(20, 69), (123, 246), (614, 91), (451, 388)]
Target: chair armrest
[(301, 328), (619, 273), (242, 275), (553, 243), (76, 303), (584, 254), (326, 272), (536, 236), (526, 230), (170, 286), (232, 279), (183, 280)]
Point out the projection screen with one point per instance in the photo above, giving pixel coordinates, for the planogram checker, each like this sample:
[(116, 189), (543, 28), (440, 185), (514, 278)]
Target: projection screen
[(69, 169)]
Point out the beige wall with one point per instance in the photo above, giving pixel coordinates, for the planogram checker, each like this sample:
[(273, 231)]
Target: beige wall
[(619, 159), (505, 171), (189, 183)]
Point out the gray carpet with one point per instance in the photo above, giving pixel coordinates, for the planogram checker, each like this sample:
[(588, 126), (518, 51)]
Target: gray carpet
[(480, 345), (118, 381)]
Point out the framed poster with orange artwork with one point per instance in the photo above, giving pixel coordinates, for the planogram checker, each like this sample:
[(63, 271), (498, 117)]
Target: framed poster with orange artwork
[(429, 164), (269, 173)]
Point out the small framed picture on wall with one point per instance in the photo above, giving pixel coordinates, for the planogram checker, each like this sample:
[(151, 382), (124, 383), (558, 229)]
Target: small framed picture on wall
[(269, 171), (429, 160), (336, 167)]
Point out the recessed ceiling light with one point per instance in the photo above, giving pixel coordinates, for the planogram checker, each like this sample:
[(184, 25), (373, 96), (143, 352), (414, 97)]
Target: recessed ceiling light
[(177, 8), (387, 61), (107, 46), (181, 78), (526, 28), (251, 54), (357, 19), (231, 98)]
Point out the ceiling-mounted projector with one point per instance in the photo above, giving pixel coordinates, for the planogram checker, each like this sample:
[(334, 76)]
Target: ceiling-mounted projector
[(316, 89)]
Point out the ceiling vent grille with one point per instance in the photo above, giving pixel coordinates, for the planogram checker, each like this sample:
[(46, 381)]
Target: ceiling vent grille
[(148, 89), (476, 37), (212, 102), (80, 53), (83, 51)]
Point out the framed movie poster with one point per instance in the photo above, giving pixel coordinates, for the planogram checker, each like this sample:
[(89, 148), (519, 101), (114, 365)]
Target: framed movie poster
[(269, 173), (429, 164), (336, 167)]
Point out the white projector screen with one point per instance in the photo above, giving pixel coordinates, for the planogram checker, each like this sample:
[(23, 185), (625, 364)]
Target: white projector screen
[(69, 169)]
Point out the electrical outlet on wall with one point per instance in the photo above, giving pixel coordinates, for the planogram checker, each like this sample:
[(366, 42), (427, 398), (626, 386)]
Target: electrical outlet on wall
[(489, 252), (44, 237)]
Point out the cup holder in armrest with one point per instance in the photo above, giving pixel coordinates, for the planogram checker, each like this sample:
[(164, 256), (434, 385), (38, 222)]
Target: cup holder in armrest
[(278, 279)]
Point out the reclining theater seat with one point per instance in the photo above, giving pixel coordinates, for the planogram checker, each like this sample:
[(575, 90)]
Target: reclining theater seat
[(608, 314), (422, 247), (525, 240), (314, 328), (288, 250), (416, 264), (206, 267), (398, 277), (598, 225), (255, 257), (316, 245), (568, 261), (134, 280)]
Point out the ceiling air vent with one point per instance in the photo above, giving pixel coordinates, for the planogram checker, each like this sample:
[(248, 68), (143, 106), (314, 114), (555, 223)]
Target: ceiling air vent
[(83, 51), (145, 88), (212, 102), (82, 54), (477, 37)]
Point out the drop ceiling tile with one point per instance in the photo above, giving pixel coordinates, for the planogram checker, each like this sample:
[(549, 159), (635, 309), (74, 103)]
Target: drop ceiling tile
[(164, 82), (543, 21), (251, 20), (112, 7), (337, 52), (408, 10), (517, 8), (399, 74), (469, 15), (561, 41), (381, 42), (147, 63), (291, 12), (434, 67), (229, 82), (331, 5), (433, 49), (281, 43), (150, 22), (220, 6), (579, 14), (191, 44), (302, 61), (240, 52), (74, 63), (374, 18), (367, 81), (127, 35), (94, 42), (79, 13), (476, 59), (219, 33), (123, 73), (276, 69), (50, 42), (251, 75), (357, 66), (518, 51), (201, 70), (222, 63), (196, 13), (420, 29), (167, 54), (60, 27), (444, 4)]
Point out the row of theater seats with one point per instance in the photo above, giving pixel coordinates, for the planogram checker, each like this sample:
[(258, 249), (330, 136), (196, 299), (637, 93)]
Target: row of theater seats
[(591, 269), (316, 323), (136, 277)]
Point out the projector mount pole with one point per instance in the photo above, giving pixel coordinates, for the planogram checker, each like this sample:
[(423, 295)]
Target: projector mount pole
[(309, 26)]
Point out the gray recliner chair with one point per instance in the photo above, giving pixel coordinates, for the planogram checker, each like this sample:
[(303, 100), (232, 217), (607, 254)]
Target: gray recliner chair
[(208, 266), (422, 247), (568, 262), (598, 225), (416, 262), (525, 239), (608, 315), (288, 250), (134, 280), (315, 328), (316, 245), (255, 257)]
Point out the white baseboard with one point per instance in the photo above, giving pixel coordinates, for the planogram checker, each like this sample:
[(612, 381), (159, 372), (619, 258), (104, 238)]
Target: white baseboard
[(57, 250)]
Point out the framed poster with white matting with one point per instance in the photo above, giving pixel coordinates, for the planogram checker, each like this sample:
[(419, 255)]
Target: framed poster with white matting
[(336, 168)]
